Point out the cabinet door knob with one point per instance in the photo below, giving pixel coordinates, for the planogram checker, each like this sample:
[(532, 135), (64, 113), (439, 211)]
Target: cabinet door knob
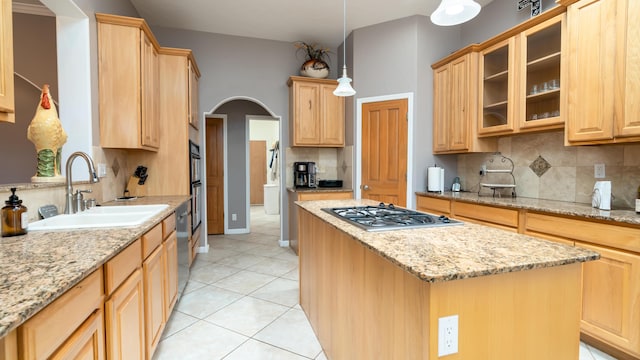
[(365, 187), (309, 104)]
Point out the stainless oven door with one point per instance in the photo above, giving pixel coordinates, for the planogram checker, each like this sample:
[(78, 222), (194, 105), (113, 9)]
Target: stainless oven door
[(194, 164), (196, 205)]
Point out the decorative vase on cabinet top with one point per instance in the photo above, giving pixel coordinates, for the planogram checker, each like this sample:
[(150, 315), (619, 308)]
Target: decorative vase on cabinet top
[(315, 68)]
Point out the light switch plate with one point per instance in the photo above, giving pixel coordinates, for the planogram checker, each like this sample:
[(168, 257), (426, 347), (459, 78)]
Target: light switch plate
[(598, 170), (102, 170)]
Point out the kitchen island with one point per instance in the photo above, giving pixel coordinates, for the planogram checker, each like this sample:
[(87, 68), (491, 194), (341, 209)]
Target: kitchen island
[(379, 295)]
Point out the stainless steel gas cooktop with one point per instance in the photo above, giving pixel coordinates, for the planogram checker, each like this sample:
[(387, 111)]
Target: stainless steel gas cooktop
[(388, 217)]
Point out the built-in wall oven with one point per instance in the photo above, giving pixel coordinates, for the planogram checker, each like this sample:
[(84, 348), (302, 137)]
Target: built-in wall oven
[(196, 185)]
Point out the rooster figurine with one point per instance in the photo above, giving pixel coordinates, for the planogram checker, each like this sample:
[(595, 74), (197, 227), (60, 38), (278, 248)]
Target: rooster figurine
[(47, 134)]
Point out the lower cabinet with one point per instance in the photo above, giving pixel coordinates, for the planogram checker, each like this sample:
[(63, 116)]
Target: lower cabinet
[(611, 299), (125, 320), (154, 299), (124, 306), (610, 286), (85, 343), (117, 312), (72, 327), (160, 279)]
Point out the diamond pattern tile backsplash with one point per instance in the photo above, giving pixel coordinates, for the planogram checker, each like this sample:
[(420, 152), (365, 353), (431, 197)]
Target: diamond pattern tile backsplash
[(546, 169), (540, 166)]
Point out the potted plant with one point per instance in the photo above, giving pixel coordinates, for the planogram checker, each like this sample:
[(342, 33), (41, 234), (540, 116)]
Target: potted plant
[(314, 65)]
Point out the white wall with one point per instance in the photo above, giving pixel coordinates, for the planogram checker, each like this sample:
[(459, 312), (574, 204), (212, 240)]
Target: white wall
[(269, 131)]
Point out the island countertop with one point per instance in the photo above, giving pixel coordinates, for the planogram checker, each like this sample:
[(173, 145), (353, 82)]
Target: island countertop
[(38, 267), (454, 252)]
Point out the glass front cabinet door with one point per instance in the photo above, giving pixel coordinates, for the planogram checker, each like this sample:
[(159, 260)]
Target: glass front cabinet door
[(540, 70), (497, 85)]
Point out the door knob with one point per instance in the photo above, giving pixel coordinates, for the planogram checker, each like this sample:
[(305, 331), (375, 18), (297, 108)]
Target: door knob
[(365, 187)]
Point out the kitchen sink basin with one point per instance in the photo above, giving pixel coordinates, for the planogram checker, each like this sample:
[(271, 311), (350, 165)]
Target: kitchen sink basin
[(100, 217)]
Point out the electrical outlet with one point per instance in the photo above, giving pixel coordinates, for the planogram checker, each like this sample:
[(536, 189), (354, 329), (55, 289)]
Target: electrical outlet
[(234, 217), (483, 170), (598, 170), (447, 335)]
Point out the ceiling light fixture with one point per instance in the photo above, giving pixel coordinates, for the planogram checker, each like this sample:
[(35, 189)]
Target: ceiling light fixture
[(344, 83), (454, 12)]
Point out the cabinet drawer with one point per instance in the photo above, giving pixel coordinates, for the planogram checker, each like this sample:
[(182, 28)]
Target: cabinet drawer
[(491, 214), (621, 237), (429, 204), (47, 330), (325, 196), (150, 240), (121, 266), (168, 225)]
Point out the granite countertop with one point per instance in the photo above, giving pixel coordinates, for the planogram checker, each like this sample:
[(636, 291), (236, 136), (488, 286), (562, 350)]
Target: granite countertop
[(38, 267), (454, 252), (328, 189), (548, 206)]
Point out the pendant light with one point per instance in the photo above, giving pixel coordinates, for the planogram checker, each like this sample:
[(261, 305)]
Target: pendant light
[(344, 83), (454, 12)]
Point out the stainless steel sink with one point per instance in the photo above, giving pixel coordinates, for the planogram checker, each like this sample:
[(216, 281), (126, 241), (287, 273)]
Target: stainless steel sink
[(100, 217)]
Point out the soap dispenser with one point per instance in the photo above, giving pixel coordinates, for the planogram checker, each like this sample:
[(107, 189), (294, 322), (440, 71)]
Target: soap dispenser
[(14, 216)]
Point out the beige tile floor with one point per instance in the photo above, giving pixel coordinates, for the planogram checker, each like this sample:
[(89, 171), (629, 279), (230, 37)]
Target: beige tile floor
[(241, 303)]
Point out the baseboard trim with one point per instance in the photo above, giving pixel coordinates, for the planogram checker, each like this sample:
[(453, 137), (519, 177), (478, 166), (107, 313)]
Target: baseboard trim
[(237, 231), (203, 249)]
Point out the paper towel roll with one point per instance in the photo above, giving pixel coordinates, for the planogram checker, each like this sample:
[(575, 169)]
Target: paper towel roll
[(435, 178)]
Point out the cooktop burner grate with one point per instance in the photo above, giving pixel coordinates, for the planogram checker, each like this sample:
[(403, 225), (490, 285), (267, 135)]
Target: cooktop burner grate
[(388, 217)]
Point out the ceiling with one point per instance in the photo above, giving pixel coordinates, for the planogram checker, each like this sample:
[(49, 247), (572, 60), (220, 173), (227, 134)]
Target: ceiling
[(311, 21)]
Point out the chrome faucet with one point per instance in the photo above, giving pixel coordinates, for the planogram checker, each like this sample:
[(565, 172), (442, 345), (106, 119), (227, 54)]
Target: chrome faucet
[(72, 198)]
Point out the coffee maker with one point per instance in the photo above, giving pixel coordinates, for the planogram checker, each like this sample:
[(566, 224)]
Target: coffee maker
[(304, 174)]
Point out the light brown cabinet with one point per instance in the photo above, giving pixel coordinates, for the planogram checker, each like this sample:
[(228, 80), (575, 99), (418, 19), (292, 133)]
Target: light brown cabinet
[(497, 64), (7, 103), (117, 312), (316, 115), (128, 109), (124, 307), (541, 67), (455, 118), (521, 84), (178, 94), (304, 196), (194, 76), (610, 292), (159, 272), (604, 95), (154, 299), (610, 285), (69, 328)]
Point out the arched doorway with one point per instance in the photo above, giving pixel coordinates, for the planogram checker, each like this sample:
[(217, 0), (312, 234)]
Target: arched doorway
[(235, 114)]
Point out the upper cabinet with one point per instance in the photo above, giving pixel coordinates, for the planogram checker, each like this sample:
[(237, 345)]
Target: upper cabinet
[(194, 76), (497, 88), (455, 90), (128, 83), (539, 88), (7, 105), (316, 115), (521, 77), (603, 87)]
